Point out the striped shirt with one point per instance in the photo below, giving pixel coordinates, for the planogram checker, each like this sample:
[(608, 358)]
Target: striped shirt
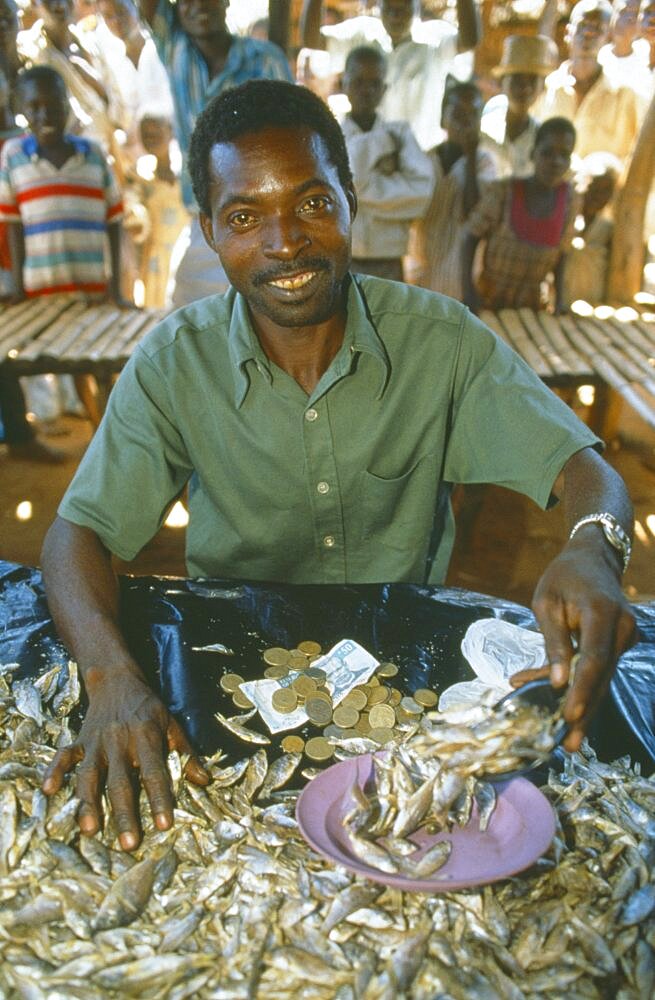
[(64, 211), (192, 87)]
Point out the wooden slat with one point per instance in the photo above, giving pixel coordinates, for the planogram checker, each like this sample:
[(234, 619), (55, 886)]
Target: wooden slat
[(140, 324), (576, 364), (12, 319), (33, 322), (538, 337), (49, 343), (82, 347), (520, 338)]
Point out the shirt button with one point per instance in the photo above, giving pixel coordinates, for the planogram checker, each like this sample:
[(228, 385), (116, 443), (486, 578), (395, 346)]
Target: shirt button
[(328, 541), (323, 487), (311, 414)]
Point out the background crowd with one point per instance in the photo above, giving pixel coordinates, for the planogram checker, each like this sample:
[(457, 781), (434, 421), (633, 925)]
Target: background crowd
[(495, 189)]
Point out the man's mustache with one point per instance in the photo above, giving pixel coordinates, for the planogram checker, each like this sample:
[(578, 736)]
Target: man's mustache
[(282, 271)]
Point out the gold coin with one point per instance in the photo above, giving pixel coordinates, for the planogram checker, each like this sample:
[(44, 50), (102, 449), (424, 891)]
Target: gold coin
[(310, 647), (276, 672), (304, 686), (363, 727), (382, 734), (276, 656), (297, 660), (372, 682), (345, 717), (349, 734), (293, 744), (319, 675), (425, 697), (323, 694), (241, 700), (378, 695), (284, 700), (382, 716), (355, 699), (410, 706), (230, 682), (318, 711), (387, 670), (318, 748), (395, 697)]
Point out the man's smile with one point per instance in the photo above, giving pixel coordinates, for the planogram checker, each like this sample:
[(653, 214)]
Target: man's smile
[(294, 282)]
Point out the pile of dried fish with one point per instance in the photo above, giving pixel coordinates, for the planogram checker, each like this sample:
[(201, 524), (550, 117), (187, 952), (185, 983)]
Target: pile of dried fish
[(231, 903)]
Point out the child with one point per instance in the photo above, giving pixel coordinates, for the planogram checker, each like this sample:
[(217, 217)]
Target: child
[(527, 225), (459, 166), (393, 177), (61, 199), (159, 193), (586, 264)]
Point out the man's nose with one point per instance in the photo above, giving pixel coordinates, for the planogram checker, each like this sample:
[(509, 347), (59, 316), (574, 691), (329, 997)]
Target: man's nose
[(285, 237)]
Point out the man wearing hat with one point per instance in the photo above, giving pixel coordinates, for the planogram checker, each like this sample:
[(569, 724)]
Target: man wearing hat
[(508, 127)]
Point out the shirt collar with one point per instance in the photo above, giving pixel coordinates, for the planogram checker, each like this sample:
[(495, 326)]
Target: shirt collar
[(31, 146), (360, 337)]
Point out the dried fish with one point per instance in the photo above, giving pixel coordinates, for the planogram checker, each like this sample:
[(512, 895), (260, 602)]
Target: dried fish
[(245, 734)]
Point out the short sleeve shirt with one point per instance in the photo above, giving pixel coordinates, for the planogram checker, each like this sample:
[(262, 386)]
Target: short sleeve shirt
[(191, 85), (347, 485)]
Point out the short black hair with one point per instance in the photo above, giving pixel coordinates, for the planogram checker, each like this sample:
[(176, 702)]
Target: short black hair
[(365, 53), (252, 107), (41, 74), (554, 125), (459, 88)]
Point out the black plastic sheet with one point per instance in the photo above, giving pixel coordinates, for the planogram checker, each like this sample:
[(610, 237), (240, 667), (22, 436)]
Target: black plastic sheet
[(419, 628)]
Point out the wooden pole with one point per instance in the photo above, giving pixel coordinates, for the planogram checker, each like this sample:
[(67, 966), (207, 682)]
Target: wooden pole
[(627, 258), (279, 16)]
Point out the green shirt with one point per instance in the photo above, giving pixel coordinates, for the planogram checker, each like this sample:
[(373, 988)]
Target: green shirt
[(348, 485)]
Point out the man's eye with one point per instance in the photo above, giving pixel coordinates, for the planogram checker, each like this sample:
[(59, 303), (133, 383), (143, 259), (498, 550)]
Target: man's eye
[(315, 204), (240, 220)]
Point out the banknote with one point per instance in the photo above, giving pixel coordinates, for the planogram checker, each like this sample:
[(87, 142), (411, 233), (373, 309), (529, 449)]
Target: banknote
[(346, 665)]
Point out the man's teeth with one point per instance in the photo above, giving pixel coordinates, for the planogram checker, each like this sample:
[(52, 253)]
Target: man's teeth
[(296, 282)]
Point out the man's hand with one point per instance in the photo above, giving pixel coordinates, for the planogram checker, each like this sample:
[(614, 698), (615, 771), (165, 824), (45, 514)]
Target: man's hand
[(580, 595), (126, 728)]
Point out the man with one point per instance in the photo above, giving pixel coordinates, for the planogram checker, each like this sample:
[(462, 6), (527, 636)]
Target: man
[(319, 419), (625, 57), (416, 69), (203, 59), (508, 128), (606, 116)]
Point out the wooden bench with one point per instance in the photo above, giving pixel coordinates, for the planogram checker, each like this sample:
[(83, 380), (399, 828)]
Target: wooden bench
[(611, 353)]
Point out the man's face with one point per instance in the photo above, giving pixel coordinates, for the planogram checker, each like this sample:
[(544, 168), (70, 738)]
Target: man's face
[(647, 22), (461, 119), (624, 21), (552, 157), (522, 90), (156, 134), (46, 111), (397, 17), (588, 34), (280, 223), (119, 17), (57, 13), (202, 18), (363, 85)]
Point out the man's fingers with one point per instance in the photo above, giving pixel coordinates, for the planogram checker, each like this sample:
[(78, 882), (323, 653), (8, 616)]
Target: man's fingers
[(177, 740), (155, 777), (556, 630), (90, 780), (120, 790), (63, 762), (522, 677)]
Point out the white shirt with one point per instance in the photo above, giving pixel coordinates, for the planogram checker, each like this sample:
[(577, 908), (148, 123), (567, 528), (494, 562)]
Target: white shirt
[(630, 71), (512, 156), (388, 203), (416, 71)]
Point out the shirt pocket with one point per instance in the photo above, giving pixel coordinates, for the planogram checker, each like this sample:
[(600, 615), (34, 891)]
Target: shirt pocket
[(399, 511)]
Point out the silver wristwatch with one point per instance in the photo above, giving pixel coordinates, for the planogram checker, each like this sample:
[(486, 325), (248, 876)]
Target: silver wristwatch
[(614, 533)]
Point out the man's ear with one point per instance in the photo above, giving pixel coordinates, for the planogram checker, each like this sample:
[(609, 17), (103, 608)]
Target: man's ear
[(352, 201), (207, 227)]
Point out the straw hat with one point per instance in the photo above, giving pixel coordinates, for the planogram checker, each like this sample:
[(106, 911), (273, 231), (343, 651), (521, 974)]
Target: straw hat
[(527, 54)]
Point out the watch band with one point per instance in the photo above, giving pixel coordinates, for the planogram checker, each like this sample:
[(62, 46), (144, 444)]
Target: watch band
[(615, 534)]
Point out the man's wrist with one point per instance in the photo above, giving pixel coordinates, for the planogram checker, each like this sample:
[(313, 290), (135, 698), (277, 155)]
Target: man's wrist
[(615, 536)]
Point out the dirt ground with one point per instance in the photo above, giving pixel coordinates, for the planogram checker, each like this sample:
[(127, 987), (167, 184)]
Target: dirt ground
[(504, 540)]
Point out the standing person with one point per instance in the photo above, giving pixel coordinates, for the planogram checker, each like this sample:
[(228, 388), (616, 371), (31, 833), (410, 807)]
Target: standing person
[(461, 167), (202, 59), (508, 127), (319, 418), (606, 116), (416, 70), (646, 33), (527, 225), (625, 57), (393, 176)]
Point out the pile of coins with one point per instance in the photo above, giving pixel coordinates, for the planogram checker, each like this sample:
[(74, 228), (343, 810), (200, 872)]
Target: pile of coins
[(373, 710)]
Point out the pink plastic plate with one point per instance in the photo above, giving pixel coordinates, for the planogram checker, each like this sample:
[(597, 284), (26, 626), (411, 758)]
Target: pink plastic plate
[(520, 830)]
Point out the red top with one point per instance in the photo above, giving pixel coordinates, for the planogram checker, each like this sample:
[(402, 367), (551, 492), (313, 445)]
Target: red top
[(544, 231)]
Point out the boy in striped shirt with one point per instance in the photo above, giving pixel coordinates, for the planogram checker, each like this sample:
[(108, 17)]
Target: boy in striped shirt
[(60, 196)]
